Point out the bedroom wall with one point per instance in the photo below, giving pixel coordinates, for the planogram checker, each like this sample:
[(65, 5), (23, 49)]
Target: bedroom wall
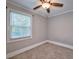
[(39, 31), (60, 28), (57, 28)]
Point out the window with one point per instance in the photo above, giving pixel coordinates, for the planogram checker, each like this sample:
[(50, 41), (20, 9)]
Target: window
[(20, 25)]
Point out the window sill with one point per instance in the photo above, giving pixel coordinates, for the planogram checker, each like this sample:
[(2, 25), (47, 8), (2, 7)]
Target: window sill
[(18, 39)]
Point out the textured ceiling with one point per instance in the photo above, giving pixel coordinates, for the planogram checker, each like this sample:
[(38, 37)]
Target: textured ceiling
[(68, 6)]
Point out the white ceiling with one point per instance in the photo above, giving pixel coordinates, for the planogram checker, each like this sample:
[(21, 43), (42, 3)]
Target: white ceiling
[(68, 6)]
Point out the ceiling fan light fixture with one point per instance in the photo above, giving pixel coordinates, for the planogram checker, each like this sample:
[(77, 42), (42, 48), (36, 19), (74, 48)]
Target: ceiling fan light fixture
[(45, 5)]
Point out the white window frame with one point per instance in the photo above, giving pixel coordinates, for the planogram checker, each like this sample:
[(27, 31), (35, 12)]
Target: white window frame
[(9, 27)]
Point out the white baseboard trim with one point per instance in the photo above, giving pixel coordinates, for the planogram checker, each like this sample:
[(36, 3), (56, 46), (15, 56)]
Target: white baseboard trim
[(14, 53), (60, 44)]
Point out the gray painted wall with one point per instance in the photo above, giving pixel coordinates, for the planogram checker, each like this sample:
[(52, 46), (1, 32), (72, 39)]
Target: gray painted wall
[(39, 31), (60, 28)]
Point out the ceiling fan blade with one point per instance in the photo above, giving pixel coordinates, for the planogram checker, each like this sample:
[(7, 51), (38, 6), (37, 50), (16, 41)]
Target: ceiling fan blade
[(37, 7), (57, 4), (48, 10)]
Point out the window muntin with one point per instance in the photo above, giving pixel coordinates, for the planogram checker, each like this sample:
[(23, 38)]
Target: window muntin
[(20, 25)]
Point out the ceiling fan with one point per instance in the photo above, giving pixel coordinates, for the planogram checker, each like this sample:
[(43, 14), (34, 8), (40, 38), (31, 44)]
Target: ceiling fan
[(47, 4)]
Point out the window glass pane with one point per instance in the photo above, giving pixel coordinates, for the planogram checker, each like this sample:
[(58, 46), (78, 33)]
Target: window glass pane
[(20, 25), (19, 19)]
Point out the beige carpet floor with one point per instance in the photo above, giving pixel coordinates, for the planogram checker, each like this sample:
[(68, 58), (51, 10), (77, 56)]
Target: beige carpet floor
[(46, 51)]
